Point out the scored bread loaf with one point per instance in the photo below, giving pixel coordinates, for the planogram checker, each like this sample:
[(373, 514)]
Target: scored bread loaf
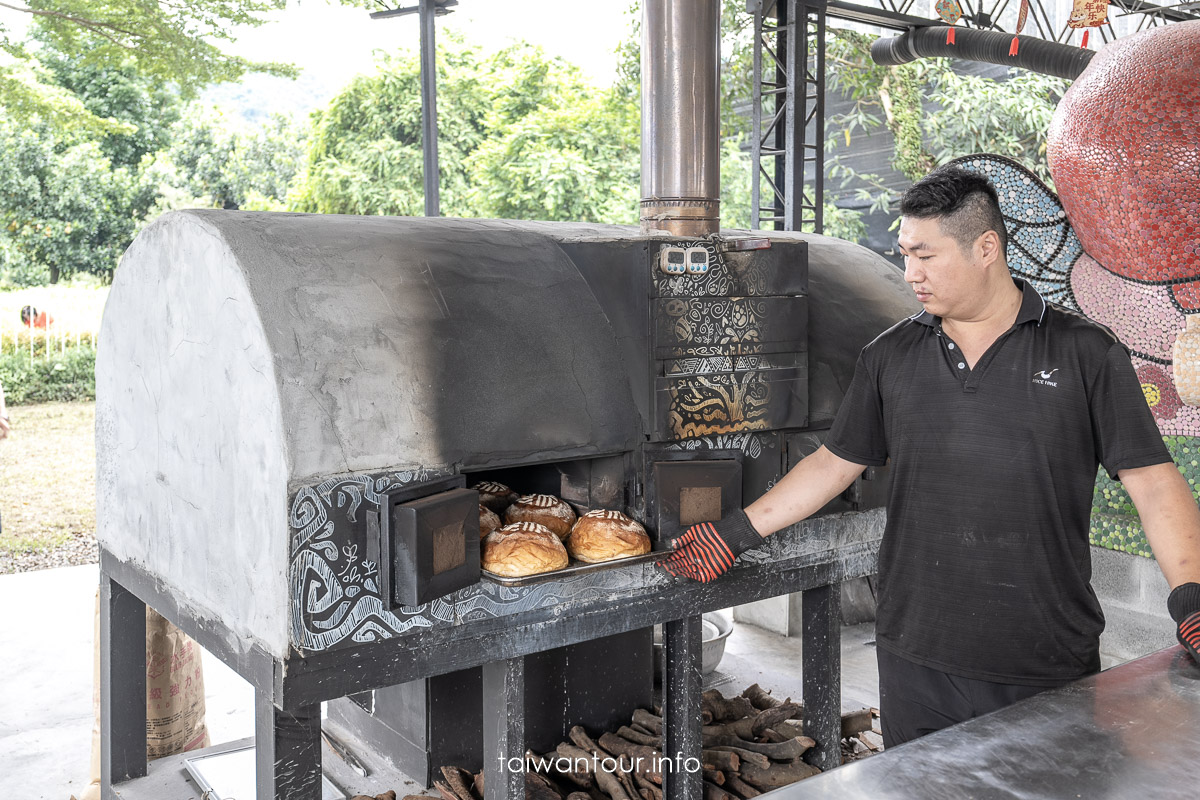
[(606, 535), (488, 521), (544, 509), (495, 496), (524, 548)]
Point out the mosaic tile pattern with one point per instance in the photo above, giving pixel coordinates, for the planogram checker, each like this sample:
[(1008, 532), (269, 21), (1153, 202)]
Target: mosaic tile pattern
[(1124, 150), (1042, 247), (1115, 524)]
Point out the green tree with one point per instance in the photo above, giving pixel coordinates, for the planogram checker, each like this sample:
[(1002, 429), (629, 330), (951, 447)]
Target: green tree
[(226, 167), (557, 148), (64, 208), (521, 135), (143, 106), (169, 42), (365, 149)]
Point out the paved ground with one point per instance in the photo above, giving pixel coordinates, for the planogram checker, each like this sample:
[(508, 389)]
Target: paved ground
[(46, 663), (46, 685)]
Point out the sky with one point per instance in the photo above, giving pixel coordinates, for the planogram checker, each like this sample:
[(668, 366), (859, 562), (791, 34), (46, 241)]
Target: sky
[(338, 42), (332, 43)]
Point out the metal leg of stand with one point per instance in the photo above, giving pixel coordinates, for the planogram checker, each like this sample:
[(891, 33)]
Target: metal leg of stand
[(287, 751), (822, 667), (682, 642), (122, 685), (504, 729)]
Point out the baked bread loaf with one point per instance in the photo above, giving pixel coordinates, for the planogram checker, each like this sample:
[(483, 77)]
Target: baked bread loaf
[(488, 521), (544, 509), (495, 496), (605, 535), (525, 548)]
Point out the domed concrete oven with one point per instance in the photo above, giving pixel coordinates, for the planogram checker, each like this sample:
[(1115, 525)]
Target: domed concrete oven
[(290, 409), (269, 384)]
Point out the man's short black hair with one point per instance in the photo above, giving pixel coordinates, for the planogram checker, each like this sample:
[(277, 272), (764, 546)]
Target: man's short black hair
[(964, 203)]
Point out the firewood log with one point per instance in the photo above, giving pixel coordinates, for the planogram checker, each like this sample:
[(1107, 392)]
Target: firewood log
[(745, 755), (648, 721), (776, 775), (647, 788), (714, 792), (642, 759), (479, 783), (624, 766), (726, 760), (768, 718), (548, 765), (388, 795), (781, 751), (581, 739), (584, 776), (789, 728), (609, 783), (772, 736), (856, 722), (735, 784), (725, 709), (760, 698), (539, 787), (637, 737), (447, 793), (714, 776), (459, 781), (579, 796), (641, 729)]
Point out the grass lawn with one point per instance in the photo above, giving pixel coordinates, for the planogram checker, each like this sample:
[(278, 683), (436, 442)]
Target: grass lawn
[(47, 478)]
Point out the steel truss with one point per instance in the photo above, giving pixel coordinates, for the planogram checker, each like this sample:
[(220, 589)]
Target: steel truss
[(788, 115)]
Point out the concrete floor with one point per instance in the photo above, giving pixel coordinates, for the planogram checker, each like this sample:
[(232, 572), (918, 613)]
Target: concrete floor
[(46, 663)]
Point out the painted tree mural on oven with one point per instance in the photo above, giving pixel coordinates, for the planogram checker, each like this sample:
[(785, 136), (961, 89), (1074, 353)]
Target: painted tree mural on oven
[(728, 348), (1121, 240)]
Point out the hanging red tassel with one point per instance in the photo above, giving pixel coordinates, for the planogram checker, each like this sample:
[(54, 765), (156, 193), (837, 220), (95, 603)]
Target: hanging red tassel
[(1012, 48), (1083, 44), (950, 35)]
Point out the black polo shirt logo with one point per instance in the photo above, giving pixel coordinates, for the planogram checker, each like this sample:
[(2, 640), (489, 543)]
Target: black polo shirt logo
[(1043, 377)]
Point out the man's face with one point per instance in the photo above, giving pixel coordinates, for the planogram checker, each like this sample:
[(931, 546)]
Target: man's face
[(949, 283)]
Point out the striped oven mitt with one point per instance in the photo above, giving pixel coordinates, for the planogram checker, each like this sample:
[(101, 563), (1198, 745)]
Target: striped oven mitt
[(706, 550), (1184, 607)]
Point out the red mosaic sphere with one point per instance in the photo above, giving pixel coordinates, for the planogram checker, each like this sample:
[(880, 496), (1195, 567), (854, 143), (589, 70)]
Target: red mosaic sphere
[(1124, 151)]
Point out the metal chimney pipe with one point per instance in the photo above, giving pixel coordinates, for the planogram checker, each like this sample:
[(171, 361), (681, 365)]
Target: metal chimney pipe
[(681, 166)]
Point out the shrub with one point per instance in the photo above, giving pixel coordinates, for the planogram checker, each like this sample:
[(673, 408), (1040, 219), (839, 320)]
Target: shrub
[(69, 376)]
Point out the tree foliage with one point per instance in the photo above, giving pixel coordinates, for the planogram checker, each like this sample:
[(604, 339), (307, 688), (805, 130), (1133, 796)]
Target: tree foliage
[(171, 41), (521, 135), (64, 207), (223, 166)]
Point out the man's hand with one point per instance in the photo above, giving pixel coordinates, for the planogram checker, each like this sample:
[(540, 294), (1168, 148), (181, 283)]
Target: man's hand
[(1184, 607), (705, 551)]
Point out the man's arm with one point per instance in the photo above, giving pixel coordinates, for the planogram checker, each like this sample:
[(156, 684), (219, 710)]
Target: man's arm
[(705, 551), (1170, 518), (1172, 524), (808, 486)]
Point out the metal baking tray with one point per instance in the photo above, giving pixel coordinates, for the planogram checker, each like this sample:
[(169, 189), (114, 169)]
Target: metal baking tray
[(572, 569)]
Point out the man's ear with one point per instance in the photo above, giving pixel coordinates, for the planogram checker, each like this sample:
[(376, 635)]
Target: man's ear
[(987, 247)]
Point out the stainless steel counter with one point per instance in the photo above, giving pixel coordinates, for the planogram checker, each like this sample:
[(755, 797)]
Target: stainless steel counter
[(1129, 733)]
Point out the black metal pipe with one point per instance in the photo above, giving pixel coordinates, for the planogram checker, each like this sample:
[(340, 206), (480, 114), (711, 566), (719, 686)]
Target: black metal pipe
[(681, 107), (429, 120), (1037, 55)]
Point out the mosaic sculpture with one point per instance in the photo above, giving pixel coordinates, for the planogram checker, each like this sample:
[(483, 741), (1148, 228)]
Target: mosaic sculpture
[(1123, 245)]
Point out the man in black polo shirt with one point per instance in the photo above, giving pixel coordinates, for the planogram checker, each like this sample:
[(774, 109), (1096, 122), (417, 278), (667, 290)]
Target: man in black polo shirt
[(994, 408)]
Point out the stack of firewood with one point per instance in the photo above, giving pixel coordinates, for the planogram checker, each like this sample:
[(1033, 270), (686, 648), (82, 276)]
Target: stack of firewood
[(752, 743)]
